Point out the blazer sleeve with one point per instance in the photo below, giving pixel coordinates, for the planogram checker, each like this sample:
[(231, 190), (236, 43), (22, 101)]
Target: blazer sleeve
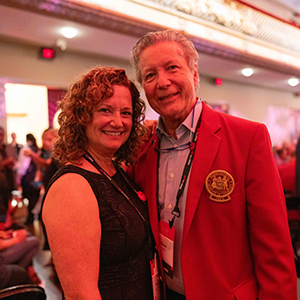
[(268, 226)]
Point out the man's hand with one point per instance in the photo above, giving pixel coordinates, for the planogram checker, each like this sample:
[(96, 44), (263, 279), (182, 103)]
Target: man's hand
[(151, 127)]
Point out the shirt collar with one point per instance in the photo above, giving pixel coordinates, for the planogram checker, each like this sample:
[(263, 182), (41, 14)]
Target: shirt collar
[(189, 123)]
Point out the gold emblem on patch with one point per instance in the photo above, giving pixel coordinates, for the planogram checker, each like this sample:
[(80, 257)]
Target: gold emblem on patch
[(220, 185)]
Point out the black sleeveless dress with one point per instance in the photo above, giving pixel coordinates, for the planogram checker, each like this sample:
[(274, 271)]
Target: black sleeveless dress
[(125, 248)]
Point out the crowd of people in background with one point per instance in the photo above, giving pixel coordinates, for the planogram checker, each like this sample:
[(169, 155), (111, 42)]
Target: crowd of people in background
[(285, 157), (285, 152), (22, 168)]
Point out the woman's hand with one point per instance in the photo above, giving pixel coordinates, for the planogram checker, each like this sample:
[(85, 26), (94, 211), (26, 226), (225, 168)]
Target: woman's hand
[(27, 152), (19, 235), (6, 234)]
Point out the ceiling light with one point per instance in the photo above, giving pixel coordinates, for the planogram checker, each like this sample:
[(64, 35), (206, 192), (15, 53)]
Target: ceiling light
[(293, 81), (285, 57), (62, 44), (69, 32), (247, 72)]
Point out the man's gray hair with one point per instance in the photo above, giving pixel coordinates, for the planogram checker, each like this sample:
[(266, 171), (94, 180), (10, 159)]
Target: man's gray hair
[(171, 35)]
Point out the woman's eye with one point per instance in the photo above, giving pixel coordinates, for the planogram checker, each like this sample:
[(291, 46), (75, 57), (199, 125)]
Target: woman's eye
[(104, 110)]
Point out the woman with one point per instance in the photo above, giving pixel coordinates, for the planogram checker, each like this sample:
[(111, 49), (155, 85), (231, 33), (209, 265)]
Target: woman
[(91, 207)]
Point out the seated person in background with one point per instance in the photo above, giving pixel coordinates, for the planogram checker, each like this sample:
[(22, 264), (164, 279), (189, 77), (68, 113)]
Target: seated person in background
[(16, 247), (12, 274), (90, 203)]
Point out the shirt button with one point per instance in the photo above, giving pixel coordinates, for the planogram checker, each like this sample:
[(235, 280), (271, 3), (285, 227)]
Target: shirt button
[(170, 206), (172, 175)]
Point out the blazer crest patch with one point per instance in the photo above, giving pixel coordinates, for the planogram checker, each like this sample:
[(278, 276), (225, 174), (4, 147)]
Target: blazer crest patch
[(220, 185)]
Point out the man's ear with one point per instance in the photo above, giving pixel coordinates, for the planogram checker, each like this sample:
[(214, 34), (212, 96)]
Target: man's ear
[(196, 75)]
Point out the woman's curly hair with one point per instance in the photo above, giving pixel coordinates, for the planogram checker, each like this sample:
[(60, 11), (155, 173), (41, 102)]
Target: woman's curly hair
[(78, 107)]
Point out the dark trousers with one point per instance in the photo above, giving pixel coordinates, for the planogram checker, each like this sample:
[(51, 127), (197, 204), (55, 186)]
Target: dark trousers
[(171, 295)]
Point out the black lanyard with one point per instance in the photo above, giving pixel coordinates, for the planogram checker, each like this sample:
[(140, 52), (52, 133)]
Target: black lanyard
[(92, 161), (176, 212)]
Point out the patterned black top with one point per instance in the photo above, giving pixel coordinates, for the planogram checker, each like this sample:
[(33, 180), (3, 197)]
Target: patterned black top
[(125, 251)]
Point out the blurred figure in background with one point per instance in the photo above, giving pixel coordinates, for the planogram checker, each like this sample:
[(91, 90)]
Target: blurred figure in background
[(43, 158), (7, 163), (18, 247), (287, 174), (27, 172), (12, 274), (14, 146), (284, 153), (33, 163), (43, 162)]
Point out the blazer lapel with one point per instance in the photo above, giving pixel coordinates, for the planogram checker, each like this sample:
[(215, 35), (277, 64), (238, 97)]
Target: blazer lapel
[(207, 147)]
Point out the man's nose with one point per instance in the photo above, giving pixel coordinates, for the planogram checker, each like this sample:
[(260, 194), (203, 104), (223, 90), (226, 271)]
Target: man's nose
[(163, 80)]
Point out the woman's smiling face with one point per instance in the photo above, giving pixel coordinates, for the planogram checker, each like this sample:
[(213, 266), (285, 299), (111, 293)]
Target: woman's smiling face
[(112, 123)]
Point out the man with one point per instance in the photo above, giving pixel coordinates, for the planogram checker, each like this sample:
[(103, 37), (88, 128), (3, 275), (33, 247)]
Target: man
[(14, 146), (215, 198)]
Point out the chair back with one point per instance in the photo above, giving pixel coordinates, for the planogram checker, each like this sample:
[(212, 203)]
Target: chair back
[(23, 292)]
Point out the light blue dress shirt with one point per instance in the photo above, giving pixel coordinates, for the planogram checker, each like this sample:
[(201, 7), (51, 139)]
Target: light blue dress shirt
[(171, 165)]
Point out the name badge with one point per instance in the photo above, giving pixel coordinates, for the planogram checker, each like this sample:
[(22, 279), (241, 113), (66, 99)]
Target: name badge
[(167, 237)]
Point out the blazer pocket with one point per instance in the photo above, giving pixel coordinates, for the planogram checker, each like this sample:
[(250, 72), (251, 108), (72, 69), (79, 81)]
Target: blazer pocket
[(248, 290)]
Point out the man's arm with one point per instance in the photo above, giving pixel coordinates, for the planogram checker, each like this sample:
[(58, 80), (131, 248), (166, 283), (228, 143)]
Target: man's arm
[(270, 239)]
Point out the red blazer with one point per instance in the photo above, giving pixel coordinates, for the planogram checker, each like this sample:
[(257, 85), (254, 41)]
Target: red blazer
[(239, 249)]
